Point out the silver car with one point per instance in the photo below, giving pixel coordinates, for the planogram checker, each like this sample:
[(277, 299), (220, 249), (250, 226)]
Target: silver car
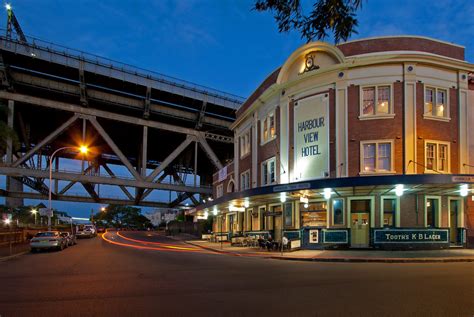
[(48, 240), (70, 238)]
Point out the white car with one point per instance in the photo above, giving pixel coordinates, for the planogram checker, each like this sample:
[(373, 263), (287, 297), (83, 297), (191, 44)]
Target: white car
[(86, 231), (48, 240)]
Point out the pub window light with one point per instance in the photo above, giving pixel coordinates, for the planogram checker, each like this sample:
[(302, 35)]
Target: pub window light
[(464, 190), (399, 190)]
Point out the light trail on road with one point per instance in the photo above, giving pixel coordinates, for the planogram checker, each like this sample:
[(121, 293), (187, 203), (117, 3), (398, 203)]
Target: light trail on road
[(164, 245)]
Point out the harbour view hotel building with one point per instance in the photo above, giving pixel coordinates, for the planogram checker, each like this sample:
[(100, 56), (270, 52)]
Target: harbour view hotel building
[(365, 144)]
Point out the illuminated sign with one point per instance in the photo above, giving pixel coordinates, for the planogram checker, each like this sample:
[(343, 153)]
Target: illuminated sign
[(411, 235), (311, 138)]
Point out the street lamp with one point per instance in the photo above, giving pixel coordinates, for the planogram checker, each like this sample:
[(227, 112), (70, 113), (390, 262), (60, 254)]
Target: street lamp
[(34, 212), (83, 149)]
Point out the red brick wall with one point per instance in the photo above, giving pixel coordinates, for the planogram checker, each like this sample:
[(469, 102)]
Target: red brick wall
[(377, 129), (269, 149), (401, 44), (427, 129)]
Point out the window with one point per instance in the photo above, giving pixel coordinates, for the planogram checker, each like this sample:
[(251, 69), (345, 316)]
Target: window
[(437, 156), (376, 101), (245, 144), (389, 209), (436, 102), (338, 212), (315, 215), (245, 180), (219, 190), (268, 128), (432, 205), (376, 157), (268, 172)]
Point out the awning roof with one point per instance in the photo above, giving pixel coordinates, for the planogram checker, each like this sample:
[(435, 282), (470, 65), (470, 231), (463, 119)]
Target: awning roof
[(428, 184)]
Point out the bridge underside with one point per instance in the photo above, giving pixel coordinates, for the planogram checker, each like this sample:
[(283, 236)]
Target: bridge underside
[(155, 147)]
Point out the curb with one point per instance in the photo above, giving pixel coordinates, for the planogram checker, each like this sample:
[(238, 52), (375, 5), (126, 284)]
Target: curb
[(348, 259), (9, 257)]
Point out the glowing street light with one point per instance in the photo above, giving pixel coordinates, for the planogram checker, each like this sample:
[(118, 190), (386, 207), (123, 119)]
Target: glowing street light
[(34, 212), (399, 190), (464, 190), (7, 221), (103, 209), (8, 6), (82, 149)]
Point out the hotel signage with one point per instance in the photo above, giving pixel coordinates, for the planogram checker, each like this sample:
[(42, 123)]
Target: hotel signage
[(311, 137), (411, 236)]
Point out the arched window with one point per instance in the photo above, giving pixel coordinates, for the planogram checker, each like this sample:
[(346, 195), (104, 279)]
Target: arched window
[(231, 186)]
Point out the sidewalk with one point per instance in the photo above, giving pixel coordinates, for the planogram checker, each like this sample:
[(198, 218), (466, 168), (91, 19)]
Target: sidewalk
[(17, 249), (421, 256)]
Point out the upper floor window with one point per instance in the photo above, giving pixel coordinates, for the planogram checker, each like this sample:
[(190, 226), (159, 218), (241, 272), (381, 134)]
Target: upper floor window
[(245, 180), (268, 172), (219, 190), (268, 127), (245, 143), (436, 102), (376, 157), (376, 101), (437, 156)]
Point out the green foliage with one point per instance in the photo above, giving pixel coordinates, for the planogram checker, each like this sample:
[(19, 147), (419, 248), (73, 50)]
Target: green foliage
[(337, 16), (122, 216)]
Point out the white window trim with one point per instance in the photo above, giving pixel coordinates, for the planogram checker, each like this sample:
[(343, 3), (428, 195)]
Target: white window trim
[(262, 122), (261, 171), (448, 157), (460, 215), (377, 172), (241, 183), (221, 186), (431, 116), (389, 115), (438, 213), (343, 213), (372, 209), (241, 136), (397, 210), (228, 185)]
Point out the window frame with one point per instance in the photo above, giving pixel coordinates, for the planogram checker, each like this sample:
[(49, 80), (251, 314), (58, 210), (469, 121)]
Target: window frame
[(448, 157), (343, 213), (396, 213), (221, 192), (437, 216), (325, 226), (263, 123), (262, 180), (245, 144), (391, 112), (377, 171), (243, 174), (432, 116)]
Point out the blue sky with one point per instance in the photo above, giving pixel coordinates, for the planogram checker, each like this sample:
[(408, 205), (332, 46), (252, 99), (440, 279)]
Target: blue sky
[(222, 44)]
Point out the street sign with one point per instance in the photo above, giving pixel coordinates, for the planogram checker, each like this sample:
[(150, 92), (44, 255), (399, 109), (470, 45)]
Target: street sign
[(45, 212)]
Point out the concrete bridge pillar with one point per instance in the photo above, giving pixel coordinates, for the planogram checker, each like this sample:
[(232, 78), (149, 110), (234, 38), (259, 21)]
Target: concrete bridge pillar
[(12, 183)]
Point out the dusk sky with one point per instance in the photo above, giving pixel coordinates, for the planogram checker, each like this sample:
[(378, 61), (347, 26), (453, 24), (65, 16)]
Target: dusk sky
[(222, 44)]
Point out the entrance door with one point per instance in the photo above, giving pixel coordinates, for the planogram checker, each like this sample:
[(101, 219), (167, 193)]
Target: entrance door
[(453, 221), (360, 229), (231, 223), (277, 228)]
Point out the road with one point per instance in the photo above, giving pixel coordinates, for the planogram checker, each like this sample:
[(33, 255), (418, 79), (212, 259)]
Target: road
[(170, 278)]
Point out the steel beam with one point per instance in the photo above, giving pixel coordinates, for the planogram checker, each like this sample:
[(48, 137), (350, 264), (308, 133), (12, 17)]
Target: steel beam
[(68, 186), (45, 141), (123, 188), (208, 150), (19, 172), (114, 147), (167, 161)]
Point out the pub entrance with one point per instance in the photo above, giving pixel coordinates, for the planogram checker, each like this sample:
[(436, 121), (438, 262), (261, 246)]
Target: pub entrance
[(454, 209), (360, 223)]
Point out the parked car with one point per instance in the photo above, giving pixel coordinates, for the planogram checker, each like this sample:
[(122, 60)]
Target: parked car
[(86, 231), (70, 238), (48, 240), (100, 230)]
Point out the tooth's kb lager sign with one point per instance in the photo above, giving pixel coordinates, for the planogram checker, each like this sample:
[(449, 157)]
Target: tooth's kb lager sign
[(311, 133)]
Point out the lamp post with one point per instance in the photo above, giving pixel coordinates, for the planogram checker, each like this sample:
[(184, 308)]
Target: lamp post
[(34, 212), (83, 149)]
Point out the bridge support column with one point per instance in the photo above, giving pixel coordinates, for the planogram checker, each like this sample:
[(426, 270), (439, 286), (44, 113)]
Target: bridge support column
[(12, 183)]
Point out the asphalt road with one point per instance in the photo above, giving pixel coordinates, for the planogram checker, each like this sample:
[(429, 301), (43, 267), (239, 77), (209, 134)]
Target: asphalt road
[(170, 278)]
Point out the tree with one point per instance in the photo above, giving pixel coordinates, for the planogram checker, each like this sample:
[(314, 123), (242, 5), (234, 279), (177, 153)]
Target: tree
[(336, 16), (122, 216)]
